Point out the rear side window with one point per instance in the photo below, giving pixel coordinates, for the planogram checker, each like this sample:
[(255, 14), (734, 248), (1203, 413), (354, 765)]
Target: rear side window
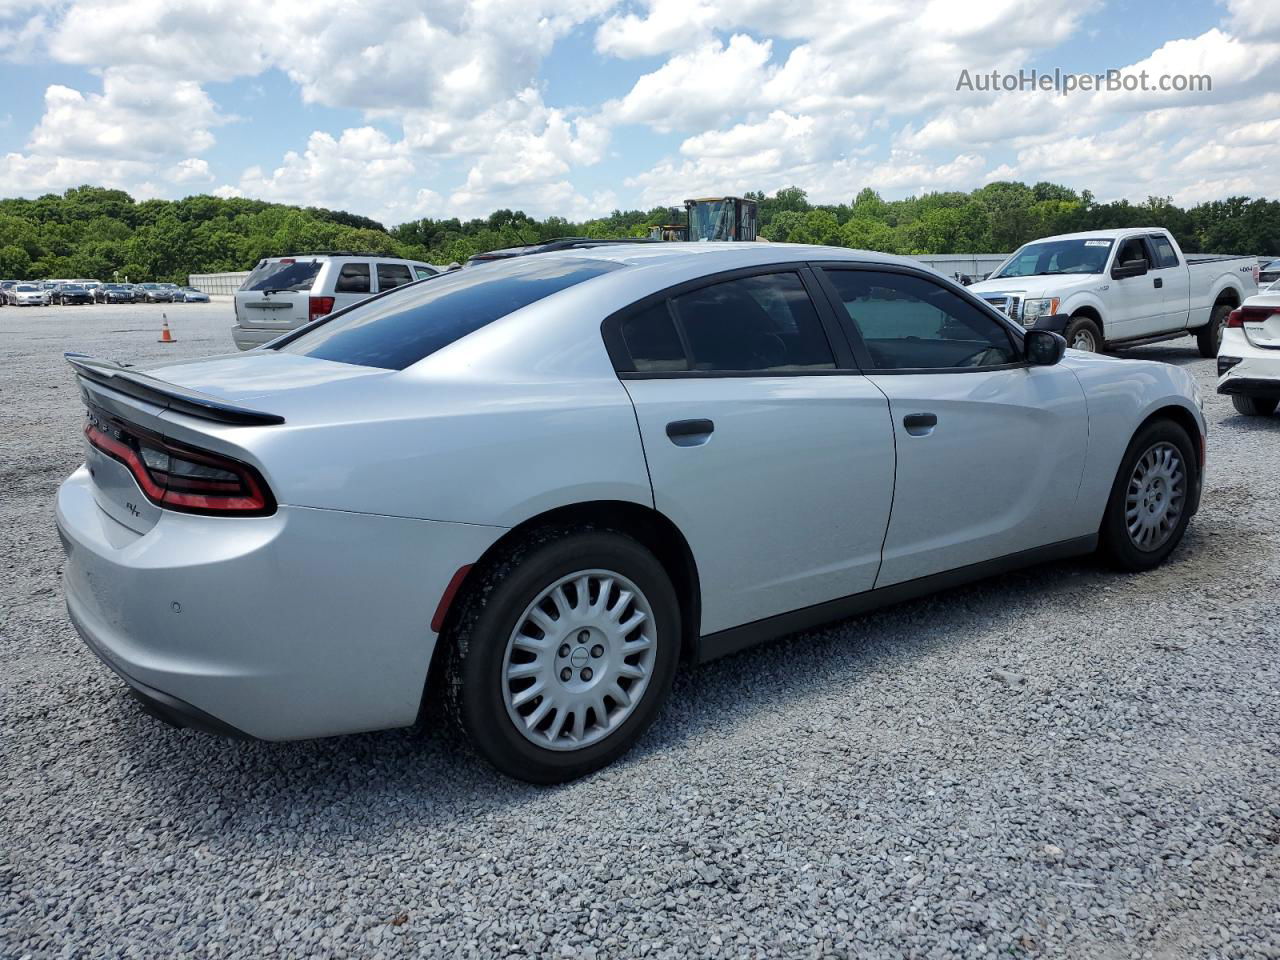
[(1165, 257), (424, 272), (399, 329), (652, 341), (282, 275), (393, 275), (352, 278), (765, 323)]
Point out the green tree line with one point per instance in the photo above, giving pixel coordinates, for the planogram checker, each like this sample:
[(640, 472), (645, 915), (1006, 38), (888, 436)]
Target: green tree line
[(94, 232)]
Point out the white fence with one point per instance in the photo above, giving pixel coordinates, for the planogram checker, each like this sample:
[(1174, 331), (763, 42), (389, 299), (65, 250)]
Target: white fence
[(218, 283)]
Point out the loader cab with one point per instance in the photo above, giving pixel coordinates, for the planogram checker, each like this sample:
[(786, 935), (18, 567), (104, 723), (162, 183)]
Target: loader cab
[(721, 218)]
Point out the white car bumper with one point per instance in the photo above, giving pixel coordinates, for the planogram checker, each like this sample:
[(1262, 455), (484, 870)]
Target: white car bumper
[(246, 338), (306, 623), (1246, 369)]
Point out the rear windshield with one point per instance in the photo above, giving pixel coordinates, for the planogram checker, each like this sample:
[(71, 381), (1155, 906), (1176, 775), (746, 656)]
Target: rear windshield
[(399, 329), (284, 275)]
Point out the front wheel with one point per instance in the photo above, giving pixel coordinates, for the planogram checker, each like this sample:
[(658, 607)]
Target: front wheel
[(1083, 334), (1254, 406), (1209, 337), (1151, 498), (562, 653)]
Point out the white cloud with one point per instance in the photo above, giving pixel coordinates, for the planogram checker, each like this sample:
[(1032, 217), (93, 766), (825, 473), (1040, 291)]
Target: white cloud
[(136, 117), (706, 85), (190, 170)]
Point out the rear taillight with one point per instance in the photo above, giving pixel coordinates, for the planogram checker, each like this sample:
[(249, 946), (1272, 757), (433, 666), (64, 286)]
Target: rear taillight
[(317, 307), (1242, 315), (179, 477)]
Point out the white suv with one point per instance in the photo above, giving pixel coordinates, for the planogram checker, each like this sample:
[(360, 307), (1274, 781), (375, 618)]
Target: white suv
[(283, 293)]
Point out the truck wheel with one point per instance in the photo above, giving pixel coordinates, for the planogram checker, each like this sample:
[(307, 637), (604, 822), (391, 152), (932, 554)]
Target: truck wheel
[(1209, 337), (1254, 406), (1083, 334)]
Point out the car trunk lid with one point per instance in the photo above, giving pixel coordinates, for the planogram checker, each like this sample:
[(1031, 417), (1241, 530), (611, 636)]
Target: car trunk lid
[(1261, 320)]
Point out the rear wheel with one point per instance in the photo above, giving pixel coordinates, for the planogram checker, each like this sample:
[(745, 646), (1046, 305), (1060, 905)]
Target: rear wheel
[(1151, 498), (1254, 406), (1083, 334), (563, 653), (1209, 337)]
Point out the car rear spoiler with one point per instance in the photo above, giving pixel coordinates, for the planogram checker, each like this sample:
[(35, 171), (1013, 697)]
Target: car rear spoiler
[(170, 396)]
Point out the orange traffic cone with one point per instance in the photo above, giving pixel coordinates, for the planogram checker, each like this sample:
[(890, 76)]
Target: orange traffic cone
[(165, 335)]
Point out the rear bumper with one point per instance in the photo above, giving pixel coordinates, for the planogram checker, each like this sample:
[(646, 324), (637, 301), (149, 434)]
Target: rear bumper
[(246, 338), (306, 623), (1257, 374)]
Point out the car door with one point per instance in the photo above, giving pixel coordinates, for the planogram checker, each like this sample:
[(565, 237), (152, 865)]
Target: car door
[(768, 450), (990, 450), (1174, 282), (1136, 304), (352, 284), (392, 275)]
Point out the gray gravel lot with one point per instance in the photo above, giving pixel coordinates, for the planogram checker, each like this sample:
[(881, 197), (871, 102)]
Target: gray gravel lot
[(1063, 762)]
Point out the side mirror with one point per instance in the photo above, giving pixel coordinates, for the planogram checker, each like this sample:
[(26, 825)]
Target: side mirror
[(1043, 348), (1130, 268)]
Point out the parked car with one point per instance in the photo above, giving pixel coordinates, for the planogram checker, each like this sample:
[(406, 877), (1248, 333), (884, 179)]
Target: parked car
[(6, 288), (571, 471), (29, 295), (190, 295), (67, 293), (1113, 288), (114, 293), (90, 285), (1249, 361), (1268, 273), (284, 293), (151, 293)]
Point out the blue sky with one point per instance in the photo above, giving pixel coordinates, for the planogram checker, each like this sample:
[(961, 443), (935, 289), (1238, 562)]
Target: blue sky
[(398, 110)]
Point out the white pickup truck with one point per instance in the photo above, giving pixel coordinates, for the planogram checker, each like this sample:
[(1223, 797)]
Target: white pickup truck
[(1110, 288)]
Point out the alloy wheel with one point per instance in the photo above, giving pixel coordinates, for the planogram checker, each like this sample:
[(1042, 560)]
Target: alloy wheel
[(579, 660)]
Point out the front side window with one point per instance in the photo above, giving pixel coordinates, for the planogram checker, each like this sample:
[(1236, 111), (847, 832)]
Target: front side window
[(910, 323), (407, 325), (352, 278), (1133, 249), (393, 275), (765, 323)]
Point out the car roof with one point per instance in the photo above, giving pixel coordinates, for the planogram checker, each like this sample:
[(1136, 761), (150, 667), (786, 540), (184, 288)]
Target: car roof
[(1113, 234), (716, 256)]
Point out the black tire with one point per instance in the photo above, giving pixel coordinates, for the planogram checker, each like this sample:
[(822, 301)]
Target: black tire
[(1254, 406), (1115, 542), (496, 597), (1082, 329), (1209, 337)]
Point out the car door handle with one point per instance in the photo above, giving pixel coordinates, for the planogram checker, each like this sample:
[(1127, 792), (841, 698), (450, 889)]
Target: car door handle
[(920, 424), (689, 433), (1159, 282)]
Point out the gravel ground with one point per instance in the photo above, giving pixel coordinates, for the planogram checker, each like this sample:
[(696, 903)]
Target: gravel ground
[(1064, 762)]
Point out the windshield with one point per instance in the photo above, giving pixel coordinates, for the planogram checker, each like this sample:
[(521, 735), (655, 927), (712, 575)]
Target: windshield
[(27, 288), (1055, 257), (72, 288), (399, 329), (288, 275)]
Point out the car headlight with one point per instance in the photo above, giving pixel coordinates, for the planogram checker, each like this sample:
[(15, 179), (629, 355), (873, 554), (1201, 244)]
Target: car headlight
[(1032, 310)]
